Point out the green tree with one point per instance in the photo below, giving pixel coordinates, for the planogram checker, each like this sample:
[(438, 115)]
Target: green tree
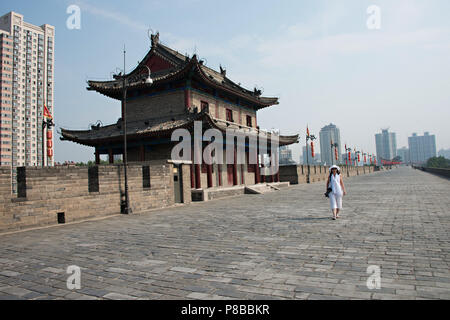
[(438, 162)]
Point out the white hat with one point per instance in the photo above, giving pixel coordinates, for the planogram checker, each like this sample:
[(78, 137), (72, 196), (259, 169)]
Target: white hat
[(335, 166)]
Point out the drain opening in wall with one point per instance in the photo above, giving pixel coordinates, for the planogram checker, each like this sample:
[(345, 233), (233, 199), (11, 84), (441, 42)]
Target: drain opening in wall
[(61, 217)]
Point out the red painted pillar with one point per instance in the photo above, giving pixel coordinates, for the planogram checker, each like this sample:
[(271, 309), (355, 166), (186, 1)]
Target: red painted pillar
[(192, 170), (198, 171), (271, 166), (198, 182), (235, 179), (257, 171), (209, 170), (187, 96), (263, 176), (110, 156), (277, 166), (209, 175), (97, 156), (192, 176)]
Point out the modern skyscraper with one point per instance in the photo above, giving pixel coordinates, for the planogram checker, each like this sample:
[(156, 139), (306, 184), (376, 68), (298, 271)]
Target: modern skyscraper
[(386, 143), (422, 148), (404, 154), (329, 134), (286, 156), (311, 160), (27, 82)]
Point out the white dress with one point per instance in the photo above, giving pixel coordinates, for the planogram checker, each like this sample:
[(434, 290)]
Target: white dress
[(336, 193)]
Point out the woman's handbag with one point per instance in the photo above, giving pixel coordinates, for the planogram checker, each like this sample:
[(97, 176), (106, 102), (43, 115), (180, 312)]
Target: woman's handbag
[(329, 190)]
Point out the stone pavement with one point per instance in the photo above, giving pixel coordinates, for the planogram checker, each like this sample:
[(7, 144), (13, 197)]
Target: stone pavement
[(281, 245)]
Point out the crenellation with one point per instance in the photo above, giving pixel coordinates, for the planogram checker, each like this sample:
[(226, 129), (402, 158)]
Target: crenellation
[(65, 189)]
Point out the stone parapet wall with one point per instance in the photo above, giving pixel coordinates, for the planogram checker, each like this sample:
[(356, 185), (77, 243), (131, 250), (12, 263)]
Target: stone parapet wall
[(296, 174), (79, 193), (443, 172)]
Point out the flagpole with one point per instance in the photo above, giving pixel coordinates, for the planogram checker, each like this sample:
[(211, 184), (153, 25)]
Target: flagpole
[(43, 133), (307, 155)]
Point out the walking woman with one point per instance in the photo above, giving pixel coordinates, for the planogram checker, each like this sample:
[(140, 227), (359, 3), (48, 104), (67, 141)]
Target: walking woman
[(336, 184)]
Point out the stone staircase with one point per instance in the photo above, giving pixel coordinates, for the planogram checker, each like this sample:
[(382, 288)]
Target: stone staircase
[(263, 188)]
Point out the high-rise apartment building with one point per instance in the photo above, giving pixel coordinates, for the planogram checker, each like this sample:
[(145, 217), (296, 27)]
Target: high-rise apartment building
[(422, 148), (286, 156), (403, 153), (27, 83), (386, 143), (327, 135), (310, 159)]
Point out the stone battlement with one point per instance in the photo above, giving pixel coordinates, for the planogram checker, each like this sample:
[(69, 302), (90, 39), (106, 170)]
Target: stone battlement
[(296, 174), (78, 193)]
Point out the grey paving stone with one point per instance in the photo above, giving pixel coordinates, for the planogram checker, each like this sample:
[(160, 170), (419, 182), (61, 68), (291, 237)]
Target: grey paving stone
[(118, 296), (280, 245)]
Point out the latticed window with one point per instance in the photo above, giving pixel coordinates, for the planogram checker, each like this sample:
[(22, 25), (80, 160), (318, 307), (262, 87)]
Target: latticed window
[(249, 121), (204, 106), (229, 115)]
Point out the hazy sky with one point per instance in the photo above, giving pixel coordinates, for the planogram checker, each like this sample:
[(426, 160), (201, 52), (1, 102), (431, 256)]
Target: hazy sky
[(318, 56)]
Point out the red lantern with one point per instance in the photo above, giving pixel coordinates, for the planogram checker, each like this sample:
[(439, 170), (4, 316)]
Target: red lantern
[(349, 156), (49, 144), (365, 159), (49, 153), (358, 158), (49, 134), (312, 149)]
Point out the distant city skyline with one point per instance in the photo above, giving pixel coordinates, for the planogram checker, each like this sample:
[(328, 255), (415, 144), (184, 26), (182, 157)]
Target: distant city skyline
[(386, 145), (421, 148), (444, 153), (318, 57), (310, 160), (328, 135), (404, 154)]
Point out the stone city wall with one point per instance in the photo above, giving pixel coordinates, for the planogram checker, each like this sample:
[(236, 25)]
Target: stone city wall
[(296, 174), (78, 193)]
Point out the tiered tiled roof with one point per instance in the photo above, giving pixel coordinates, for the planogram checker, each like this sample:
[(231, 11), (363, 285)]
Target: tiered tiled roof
[(158, 127), (181, 65), (177, 66)]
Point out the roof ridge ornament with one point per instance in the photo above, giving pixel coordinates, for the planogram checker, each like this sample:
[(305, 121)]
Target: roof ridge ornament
[(223, 71), (155, 39)]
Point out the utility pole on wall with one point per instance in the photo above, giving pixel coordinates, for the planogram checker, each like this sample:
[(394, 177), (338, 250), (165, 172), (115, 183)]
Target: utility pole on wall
[(125, 204), (312, 138)]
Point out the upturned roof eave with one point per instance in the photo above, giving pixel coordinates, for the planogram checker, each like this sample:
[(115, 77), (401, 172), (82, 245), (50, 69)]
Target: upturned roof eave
[(72, 135), (115, 92)]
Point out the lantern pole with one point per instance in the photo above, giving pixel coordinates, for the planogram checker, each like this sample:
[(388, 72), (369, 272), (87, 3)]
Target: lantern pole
[(348, 150), (312, 138), (43, 142), (126, 209)]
